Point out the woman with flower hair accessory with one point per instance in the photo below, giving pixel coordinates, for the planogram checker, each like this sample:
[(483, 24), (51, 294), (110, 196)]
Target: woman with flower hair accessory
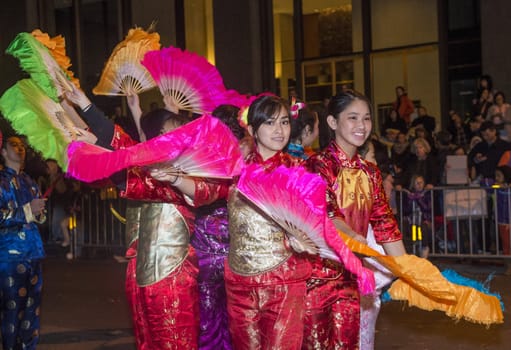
[(304, 130), (265, 279)]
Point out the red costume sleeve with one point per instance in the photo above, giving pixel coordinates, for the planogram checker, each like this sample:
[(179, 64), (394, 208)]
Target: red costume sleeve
[(382, 219), (141, 186), (207, 192), (121, 139)]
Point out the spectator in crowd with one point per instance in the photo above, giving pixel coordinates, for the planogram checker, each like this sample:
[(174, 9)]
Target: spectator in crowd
[(474, 124), (393, 121), (421, 132), (485, 82), (498, 121), (483, 160), (423, 163), (389, 139), (484, 157), (403, 105), (458, 130), (426, 121), (57, 192), (483, 104), (400, 152), (500, 106)]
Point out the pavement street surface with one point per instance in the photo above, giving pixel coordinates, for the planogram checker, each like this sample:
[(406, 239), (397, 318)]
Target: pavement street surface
[(84, 308)]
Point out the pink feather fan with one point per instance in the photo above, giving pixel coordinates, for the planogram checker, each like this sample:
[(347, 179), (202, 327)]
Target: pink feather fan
[(204, 147), (295, 199), (190, 80)]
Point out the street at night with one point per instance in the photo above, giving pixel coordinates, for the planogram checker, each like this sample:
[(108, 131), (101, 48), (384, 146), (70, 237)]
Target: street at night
[(84, 308)]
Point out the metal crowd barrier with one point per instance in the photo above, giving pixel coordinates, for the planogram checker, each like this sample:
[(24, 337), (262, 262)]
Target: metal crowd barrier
[(95, 227), (464, 222)]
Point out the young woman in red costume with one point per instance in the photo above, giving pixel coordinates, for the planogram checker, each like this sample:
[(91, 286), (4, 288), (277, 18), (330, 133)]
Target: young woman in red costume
[(265, 279), (355, 199), (161, 278)]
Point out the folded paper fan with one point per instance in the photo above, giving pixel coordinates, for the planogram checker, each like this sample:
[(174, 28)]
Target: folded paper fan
[(31, 112), (123, 74), (295, 199), (35, 59), (57, 48), (190, 80), (204, 147)]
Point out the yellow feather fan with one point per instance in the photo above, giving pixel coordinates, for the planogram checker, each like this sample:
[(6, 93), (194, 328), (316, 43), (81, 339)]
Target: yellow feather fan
[(123, 74)]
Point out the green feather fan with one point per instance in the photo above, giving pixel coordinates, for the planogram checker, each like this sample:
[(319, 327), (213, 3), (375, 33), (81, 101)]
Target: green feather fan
[(35, 59), (45, 124)]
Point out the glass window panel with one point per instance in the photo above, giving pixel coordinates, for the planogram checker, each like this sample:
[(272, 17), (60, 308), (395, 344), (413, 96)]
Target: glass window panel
[(328, 28), (100, 34), (327, 77), (283, 34), (388, 72), (397, 23), (423, 74), (415, 69), (463, 14)]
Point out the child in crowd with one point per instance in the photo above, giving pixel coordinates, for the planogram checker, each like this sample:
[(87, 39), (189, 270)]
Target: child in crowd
[(417, 208)]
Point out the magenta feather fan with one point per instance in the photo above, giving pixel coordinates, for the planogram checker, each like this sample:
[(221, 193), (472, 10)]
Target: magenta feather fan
[(295, 199), (190, 80), (204, 147)]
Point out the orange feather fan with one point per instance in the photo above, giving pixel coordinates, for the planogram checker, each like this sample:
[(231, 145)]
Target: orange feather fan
[(123, 74)]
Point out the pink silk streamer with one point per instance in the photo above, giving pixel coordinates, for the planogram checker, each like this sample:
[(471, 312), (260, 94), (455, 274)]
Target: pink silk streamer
[(204, 147), (296, 200)]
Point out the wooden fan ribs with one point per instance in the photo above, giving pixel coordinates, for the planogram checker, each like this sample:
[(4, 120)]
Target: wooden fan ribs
[(123, 74)]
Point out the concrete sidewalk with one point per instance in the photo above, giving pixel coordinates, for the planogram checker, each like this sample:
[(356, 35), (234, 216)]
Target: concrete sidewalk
[(84, 308)]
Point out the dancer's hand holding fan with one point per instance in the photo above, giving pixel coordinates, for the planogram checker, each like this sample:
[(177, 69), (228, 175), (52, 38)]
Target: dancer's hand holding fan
[(123, 74)]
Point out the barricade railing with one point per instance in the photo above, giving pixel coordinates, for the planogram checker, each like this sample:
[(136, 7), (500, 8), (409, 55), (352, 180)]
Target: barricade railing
[(463, 221), (95, 226)]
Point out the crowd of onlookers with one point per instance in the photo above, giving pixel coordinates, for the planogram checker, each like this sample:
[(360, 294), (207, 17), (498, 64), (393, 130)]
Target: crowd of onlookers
[(412, 154)]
